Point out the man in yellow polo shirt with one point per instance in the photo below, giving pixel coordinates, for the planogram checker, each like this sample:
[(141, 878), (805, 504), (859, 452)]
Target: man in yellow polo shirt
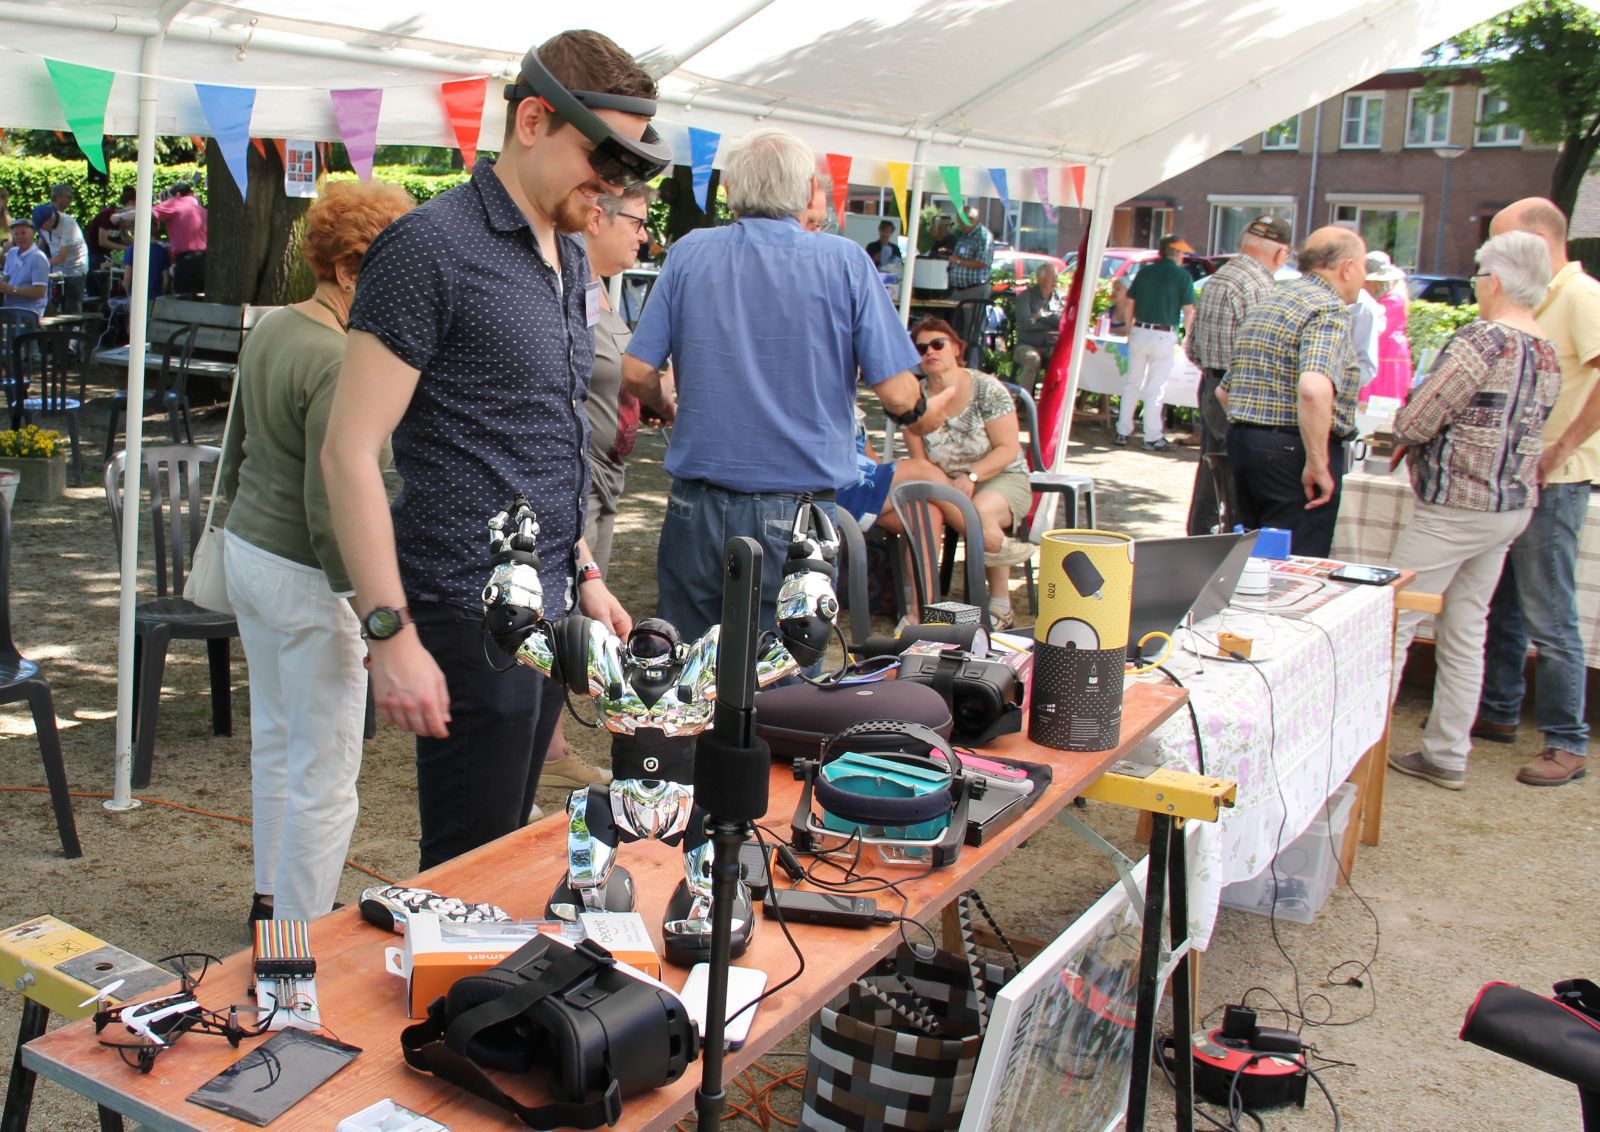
[(1537, 596)]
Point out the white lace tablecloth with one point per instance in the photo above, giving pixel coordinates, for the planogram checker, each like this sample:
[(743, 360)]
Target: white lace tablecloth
[(1328, 704)]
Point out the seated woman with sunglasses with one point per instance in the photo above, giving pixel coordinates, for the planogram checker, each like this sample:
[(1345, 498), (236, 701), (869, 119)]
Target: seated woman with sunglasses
[(978, 451)]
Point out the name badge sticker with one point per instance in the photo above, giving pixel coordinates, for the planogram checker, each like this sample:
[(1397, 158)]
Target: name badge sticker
[(591, 303)]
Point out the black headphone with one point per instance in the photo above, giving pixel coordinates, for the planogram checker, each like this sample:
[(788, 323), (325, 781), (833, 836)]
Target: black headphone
[(895, 741)]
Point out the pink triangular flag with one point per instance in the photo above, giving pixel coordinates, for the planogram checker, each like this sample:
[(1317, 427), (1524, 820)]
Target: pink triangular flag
[(1041, 184), (357, 114)]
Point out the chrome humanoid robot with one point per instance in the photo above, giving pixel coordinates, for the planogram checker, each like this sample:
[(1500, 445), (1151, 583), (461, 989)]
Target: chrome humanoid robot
[(655, 694)]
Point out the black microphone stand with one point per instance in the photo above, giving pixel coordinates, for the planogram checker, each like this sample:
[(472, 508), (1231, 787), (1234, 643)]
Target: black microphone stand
[(732, 773)]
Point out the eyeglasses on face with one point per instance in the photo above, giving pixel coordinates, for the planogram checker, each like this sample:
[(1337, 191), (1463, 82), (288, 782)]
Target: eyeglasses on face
[(932, 344), (638, 221)]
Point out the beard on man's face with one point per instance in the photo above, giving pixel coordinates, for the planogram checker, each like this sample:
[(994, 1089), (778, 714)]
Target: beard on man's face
[(572, 214)]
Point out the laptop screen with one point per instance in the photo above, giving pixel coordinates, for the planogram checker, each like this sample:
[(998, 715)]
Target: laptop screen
[(1172, 576)]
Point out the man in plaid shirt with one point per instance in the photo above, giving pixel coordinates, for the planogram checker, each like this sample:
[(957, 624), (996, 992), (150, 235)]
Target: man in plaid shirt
[(1219, 312), (970, 262), (1290, 394)]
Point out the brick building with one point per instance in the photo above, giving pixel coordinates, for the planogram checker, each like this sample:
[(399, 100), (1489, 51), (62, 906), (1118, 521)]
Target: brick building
[(1370, 158)]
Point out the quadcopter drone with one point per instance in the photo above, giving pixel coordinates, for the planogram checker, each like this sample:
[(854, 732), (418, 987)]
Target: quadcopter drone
[(155, 1025), (655, 693)]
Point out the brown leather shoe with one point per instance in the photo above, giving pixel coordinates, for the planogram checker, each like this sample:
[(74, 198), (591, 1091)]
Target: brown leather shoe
[(1551, 767), (1494, 732)]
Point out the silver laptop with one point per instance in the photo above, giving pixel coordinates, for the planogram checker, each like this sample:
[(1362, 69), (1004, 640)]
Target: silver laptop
[(1173, 577)]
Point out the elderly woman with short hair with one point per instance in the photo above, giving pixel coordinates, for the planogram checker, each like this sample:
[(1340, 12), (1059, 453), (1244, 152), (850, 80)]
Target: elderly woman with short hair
[(1471, 433), (286, 579)]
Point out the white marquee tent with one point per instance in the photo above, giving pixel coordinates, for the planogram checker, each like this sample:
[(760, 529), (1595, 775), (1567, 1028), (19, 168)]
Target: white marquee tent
[(1136, 90)]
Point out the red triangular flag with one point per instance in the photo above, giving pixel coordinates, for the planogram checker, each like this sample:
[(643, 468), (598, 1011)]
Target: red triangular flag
[(261, 149), (283, 153), (199, 142), (463, 105), (1078, 172), (839, 170)]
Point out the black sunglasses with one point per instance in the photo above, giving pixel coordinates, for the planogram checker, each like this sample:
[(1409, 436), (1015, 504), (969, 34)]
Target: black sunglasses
[(932, 344), (615, 159)]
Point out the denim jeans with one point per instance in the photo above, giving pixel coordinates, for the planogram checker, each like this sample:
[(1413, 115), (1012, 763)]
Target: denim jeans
[(700, 519), (1537, 600), (478, 783)]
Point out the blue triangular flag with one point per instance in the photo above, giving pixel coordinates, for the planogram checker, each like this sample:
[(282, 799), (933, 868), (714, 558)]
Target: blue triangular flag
[(227, 110), (702, 152), (998, 176)]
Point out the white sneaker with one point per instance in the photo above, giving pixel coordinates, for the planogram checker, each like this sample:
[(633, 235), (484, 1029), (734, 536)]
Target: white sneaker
[(1012, 552)]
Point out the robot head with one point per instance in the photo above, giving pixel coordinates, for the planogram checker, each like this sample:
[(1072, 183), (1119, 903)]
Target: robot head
[(654, 658)]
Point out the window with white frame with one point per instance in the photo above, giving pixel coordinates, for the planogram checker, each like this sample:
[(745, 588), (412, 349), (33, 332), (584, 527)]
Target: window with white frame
[(1284, 136), (1363, 121), (1392, 226), (1230, 215), (1428, 118), (1503, 133)]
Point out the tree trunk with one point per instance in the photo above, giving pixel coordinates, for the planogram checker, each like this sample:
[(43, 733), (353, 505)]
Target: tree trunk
[(1572, 164), (252, 245), (684, 214)]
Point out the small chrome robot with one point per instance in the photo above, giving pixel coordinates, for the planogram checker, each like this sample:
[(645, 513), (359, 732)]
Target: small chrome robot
[(654, 694)]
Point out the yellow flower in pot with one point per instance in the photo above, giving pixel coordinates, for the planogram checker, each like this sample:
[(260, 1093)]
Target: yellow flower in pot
[(38, 454)]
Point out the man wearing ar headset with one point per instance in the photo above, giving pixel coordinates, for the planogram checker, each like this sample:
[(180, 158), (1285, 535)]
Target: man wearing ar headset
[(470, 342)]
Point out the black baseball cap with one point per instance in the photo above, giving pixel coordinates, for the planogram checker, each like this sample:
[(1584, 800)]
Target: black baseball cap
[(1273, 228)]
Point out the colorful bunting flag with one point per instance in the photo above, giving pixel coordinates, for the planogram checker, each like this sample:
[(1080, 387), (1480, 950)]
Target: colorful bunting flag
[(227, 110), (899, 171), (1069, 185), (463, 105), (1041, 185), (283, 156), (84, 92), (260, 147), (952, 186), (702, 153), (357, 114), (998, 176), (1078, 174), (839, 171)]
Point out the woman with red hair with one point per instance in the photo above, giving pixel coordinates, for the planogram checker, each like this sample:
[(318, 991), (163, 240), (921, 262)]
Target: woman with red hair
[(286, 580)]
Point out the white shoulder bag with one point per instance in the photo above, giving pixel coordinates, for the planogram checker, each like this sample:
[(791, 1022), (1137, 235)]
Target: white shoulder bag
[(207, 582)]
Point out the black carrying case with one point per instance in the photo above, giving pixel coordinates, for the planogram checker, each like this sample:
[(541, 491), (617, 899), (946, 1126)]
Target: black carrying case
[(797, 720)]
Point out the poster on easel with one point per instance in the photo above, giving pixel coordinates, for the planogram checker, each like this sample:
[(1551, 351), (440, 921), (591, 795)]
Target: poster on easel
[(300, 168)]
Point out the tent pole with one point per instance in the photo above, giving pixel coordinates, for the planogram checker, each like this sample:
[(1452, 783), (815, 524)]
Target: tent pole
[(138, 324), (1099, 225), (912, 225)]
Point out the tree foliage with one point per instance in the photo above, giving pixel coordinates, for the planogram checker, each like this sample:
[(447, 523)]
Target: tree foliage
[(1543, 58)]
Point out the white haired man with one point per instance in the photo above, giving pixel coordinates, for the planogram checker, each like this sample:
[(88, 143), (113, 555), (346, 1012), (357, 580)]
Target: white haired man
[(1038, 318), (1537, 596), (1219, 311), (767, 326)]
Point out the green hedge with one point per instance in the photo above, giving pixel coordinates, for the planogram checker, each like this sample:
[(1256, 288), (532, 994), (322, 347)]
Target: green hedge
[(28, 180), (1429, 325)]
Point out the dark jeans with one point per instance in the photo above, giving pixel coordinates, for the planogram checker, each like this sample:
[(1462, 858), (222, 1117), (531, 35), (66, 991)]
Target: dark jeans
[(1267, 465), (72, 294), (700, 520), (972, 319), (1537, 600), (478, 784), (1205, 509), (189, 273)]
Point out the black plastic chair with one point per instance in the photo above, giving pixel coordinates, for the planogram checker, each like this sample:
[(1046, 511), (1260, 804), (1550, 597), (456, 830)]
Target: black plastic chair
[(912, 502), (175, 514), (169, 391), (1076, 491), (1221, 472), (21, 680), (42, 377), (855, 565)]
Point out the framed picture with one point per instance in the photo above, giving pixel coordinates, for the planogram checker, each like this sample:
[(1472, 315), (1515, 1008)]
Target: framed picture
[(1060, 1036)]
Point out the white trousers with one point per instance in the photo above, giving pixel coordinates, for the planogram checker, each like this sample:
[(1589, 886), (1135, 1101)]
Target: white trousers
[(1457, 554), (1149, 365), (307, 708)]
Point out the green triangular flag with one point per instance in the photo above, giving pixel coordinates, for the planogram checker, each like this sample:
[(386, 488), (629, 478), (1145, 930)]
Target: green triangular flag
[(84, 93), (952, 185)]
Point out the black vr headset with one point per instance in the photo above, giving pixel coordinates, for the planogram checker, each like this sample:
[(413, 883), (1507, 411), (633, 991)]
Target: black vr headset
[(616, 159), (603, 1034)]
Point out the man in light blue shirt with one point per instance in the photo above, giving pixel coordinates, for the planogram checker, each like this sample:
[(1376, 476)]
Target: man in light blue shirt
[(27, 270), (767, 326)]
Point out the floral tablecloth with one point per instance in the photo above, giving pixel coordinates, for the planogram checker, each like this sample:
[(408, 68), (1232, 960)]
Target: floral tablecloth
[(1289, 749)]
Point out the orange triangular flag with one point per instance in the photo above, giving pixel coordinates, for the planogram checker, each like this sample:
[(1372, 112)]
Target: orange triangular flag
[(283, 153), (261, 149)]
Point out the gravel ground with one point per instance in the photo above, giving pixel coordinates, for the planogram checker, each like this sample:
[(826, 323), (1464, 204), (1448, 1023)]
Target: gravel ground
[(1490, 883)]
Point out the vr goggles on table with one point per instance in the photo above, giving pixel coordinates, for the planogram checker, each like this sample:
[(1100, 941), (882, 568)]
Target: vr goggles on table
[(617, 159), (894, 786)]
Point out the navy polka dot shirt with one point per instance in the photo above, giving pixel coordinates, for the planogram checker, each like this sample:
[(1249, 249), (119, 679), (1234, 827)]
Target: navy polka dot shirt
[(458, 290)]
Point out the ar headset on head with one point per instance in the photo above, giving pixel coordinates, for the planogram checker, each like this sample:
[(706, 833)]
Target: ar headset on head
[(616, 159)]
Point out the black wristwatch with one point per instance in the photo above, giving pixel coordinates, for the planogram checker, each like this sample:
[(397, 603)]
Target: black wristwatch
[(914, 414), (384, 622)]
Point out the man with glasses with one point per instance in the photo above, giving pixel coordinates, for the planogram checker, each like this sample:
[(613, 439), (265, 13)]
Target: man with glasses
[(470, 341), (767, 326), (1537, 596)]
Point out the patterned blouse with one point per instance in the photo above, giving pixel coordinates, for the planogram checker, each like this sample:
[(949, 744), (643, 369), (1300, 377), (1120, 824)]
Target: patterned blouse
[(962, 440), (1474, 425)]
